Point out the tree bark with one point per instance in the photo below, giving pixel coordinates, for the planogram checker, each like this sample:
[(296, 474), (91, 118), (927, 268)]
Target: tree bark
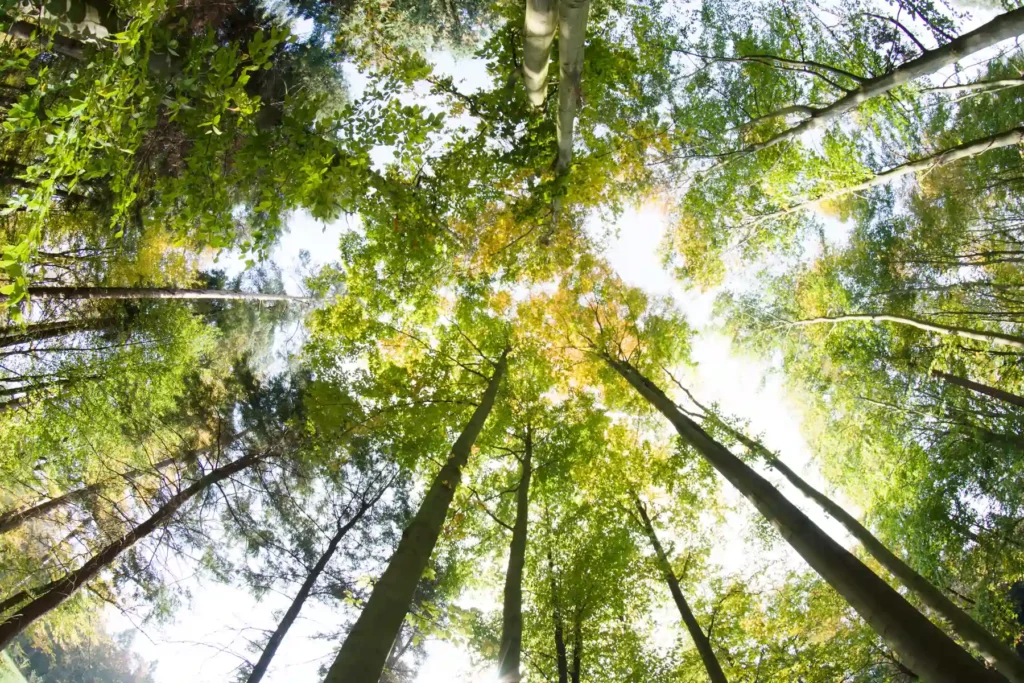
[(572, 31), (921, 644), (561, 654), (134, 293), (365, 650), (1003, 27), (577, 646), (980, 388), (997, 84), (947, 156), (51, 596), (707, 654), (270, 649), (996, 653), (15, 518), (977, 335), (511, 644), (538, 34), (44, 331)]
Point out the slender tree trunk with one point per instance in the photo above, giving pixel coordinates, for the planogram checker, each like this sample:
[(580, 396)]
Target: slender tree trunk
[(538, 34), (999, 655), (15, 518), (997, 84), (977, 335), (365, 650), (707, 654), (1003, 27), (135, 293), (51, 596), (946, 156), (270, 649), (577, 646), (980, 388), (44, 331), (920, 643), (561, 654), (511, 645)]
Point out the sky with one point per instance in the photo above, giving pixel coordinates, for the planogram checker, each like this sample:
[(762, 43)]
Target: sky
[(209, 632)]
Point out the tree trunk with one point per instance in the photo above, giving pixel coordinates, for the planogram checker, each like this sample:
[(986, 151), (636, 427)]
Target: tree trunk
[(999, 655), (270, 649), (510, 649), (561, 655), (15, 518), (980, 388), (707, 654), (577, 646), (1005, 26), (51, 596), (134, 293), (365, 650), (572, 31), (997, 84), (946, 156), (538, 34), (976, 335), (43, 331), (920, 643)]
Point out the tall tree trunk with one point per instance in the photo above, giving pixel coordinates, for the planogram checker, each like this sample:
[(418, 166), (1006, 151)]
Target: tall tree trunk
[(365, 650), (921, 644), (977, 335), (577, 646), (51, 596), (572, 32), (561, 654), (980, 388), (1003, 27), (135, 293), (946, 156), (44, 331), (510, 648), (15, 518), (999, 655), (707, 654), (538, 34), (270, 649)]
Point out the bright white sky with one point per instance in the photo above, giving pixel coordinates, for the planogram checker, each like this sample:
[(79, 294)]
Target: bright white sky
[(203, 642)]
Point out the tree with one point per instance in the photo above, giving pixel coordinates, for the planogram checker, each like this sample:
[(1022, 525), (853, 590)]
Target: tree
[(707, 655), (27, 606), (365, 650)]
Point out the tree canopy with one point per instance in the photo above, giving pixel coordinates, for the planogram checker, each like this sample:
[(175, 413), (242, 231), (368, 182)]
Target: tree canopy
[(320, 323)]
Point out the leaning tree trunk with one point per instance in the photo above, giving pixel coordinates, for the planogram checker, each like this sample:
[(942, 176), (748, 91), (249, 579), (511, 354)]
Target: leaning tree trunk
[(946, 156), (976, 335), (925, 648), (55, 593), (511, 644), (365, 650), (135, 293), (270, 649), (538, 34), (707, 654), (43, 331), (561, 653), (980, 388), (999, 655), (1003, 27), (15, 518)]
